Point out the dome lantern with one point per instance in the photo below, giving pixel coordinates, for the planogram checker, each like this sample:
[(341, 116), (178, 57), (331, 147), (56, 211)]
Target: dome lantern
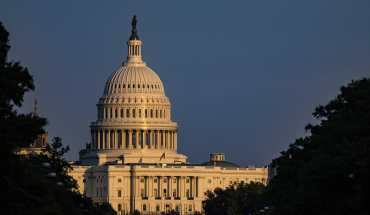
[(134, 48)]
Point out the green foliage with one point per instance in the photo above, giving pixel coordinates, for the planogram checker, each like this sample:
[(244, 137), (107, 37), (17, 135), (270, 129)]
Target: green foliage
[(314, 172), (136, 212), (25, 189), (173, 212), (235, 199)]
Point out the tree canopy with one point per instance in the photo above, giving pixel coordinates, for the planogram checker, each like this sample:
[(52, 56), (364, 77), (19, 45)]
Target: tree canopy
[(327, 172), (238, 198)]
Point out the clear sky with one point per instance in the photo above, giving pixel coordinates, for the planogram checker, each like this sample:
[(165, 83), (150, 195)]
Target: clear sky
[(243, 77)]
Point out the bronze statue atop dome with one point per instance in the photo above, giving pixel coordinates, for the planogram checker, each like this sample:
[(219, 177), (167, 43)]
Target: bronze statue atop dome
[(134, 35)]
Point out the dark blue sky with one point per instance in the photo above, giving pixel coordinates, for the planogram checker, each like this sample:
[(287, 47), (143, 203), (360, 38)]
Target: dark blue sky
[(243, 77)]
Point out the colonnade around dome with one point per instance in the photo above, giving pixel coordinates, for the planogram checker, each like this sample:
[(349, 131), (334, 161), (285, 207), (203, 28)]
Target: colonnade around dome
[(133, 139)]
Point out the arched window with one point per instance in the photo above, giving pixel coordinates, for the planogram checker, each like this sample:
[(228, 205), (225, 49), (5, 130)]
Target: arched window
[(155, 193), (146, 113), (156, 113), (187, 193), (143, 86), (142, 192), (133, 113), (160, 114), (121, 113), (147, 86), (152, 86), (116, 113), (128, 85), (138, 86), (106, 113), (155, 86), (111, 114), (151, 113), (139, 113), (133, 86), (124, 86), (127, 112)]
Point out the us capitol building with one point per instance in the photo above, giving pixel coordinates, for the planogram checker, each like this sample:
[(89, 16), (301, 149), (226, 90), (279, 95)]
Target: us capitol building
[(133, 162)]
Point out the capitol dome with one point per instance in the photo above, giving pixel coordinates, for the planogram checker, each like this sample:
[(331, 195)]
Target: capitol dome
[(134, 79), (134, 116)]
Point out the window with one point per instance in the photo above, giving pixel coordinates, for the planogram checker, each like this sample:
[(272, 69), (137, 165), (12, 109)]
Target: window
[(119, 193), (209, 181), (119, 180), (242, 182), (187, 180), (139, 113), (155, 193), (220, 182), (230, 182), (127, 112), (142, 192), (124, 85), (157, 207), (174, 192), (160, 114), (144, 205), (155, 180), (97, 193), (187, 193), (152, 86), (106, 113), (164, 113), (138, 86), (177, 208), (155, 86), (111, 114), (128, 85), (174, 181), (121, 113), (190, 207), (164, 180), (84, 181), (147, 86), (146, 113), (151, 113), (116, 113), (156, 113), (119, 207), (133, 86), (133, 112), (164, 192), (101, 193), (142, 180)]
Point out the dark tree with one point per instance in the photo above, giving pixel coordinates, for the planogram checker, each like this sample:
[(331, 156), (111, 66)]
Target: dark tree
[(328, 171), (235, 199)]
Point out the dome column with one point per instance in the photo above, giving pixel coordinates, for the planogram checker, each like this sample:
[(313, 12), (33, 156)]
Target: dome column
[(98, 133), (116, 139), (130, 139), (175, 139), (103, 139), (150, 139), (144, 139), (123, 139), (137, 139), (92, 139), (168, 140), (109, 139)]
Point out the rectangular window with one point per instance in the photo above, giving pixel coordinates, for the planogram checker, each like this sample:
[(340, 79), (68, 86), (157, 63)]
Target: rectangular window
[(146, 113), (139, 113), (155, 180), (174, 192), (133, 112), (144, 207), (119, 180), (209, 181), (187, 180), (119, 193), (164, 180), (174, 180), (242, 182), (142, 180), (190, 207), (119, 207), (155, 193), (157, 207)]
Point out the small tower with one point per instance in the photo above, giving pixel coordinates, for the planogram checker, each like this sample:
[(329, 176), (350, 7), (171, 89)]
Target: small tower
[(217, 157), (36, 114)]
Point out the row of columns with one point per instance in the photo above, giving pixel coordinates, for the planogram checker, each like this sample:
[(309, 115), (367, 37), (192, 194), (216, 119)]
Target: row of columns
[(137, 113), (133, 139), (134, 50), (149, 187)]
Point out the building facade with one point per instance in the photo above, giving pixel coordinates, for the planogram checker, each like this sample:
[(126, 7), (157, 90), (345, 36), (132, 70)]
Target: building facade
[(133, 162)]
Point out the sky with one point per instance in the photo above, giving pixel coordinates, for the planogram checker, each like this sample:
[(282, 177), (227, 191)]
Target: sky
[(243, 77)]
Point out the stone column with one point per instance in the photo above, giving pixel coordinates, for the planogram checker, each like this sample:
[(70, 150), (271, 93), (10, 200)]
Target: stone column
[(98, 139), (150, 139), (104, 141), (170, 187), (158, 138), (108, 139), (130, 139), (161, 187), (144, 139), (137, 139), (175, 139), (184, 187), (152, 188), (123, 141), (92, 139), (138, 186), (168, 140), (116, 139)]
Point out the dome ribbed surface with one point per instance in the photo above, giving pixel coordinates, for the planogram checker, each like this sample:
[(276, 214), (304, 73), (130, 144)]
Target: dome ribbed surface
[(134, 79)]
